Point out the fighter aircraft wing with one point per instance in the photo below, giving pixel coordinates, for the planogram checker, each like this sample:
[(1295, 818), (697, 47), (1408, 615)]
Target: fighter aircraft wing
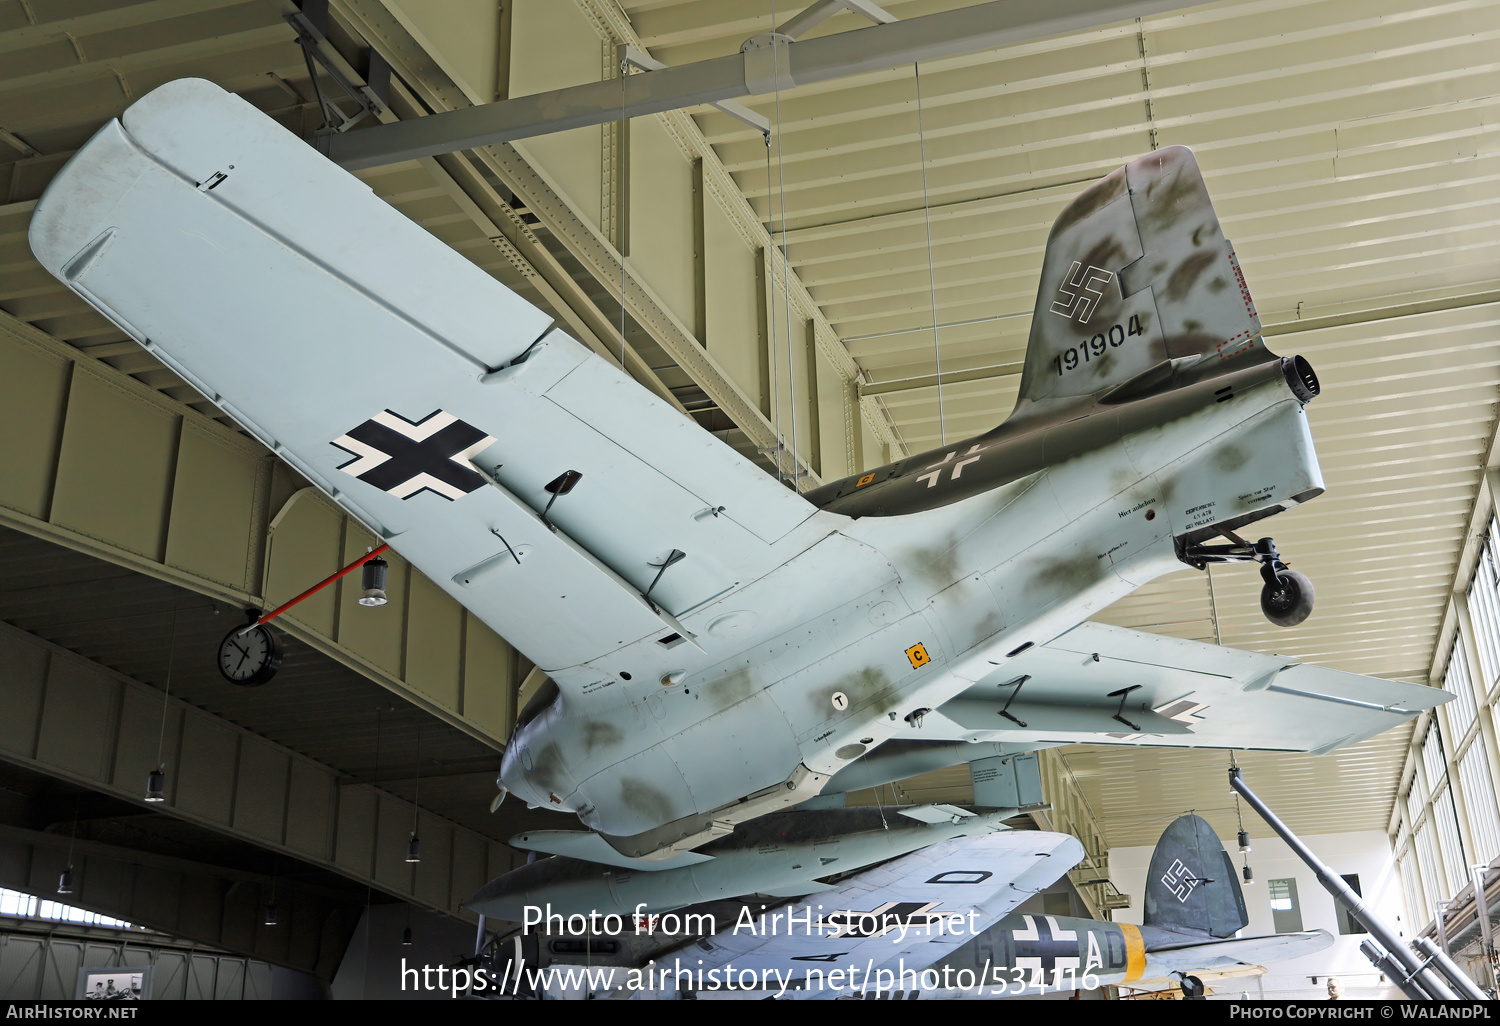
[(907, 914), (425, 397), (1098, 683)]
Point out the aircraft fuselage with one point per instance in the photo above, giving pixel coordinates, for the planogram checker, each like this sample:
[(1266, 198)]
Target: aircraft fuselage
[(886, 615)]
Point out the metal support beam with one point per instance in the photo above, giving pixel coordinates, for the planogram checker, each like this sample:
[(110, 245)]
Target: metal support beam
[(821, 11), (1431, 970), (638, 58), (759, 69), (1482, 914)]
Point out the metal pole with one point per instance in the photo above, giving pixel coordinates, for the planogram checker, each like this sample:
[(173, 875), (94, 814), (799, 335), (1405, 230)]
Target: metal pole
[(1440, 919), (1482, 911), (780, 64), (1392, 969), (1445, 965), (1416, 969), (325, 582)]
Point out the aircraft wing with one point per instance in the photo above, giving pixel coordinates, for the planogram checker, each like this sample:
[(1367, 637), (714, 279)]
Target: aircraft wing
[(1103, 684), (426, 398), (887, 918)]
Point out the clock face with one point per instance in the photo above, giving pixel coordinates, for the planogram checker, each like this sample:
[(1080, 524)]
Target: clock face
[(249, 659)]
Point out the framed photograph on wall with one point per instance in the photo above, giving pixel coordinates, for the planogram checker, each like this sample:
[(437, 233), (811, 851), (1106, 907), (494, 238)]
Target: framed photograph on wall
[(114, 983)]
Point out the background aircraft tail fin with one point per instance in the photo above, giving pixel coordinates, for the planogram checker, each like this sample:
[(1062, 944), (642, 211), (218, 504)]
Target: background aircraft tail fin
[(1138, 285), (1192, 885)]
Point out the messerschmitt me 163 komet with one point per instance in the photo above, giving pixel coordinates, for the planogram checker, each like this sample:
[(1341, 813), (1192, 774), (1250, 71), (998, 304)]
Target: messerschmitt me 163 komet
[(718, 646)]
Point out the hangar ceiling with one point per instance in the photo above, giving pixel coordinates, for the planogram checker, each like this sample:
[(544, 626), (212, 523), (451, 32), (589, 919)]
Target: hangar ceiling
[(1350, 147), (1353, 154)]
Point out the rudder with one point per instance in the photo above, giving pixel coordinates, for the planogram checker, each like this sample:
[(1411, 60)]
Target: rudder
[(1138, 282), (1192, 884)]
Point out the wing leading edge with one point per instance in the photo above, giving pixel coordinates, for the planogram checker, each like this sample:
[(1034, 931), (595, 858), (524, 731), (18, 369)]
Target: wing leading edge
[(900, 915), (426, 398)]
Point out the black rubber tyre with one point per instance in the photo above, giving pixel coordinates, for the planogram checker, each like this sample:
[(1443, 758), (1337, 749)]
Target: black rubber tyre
[(1192, 989), (1289, 601)]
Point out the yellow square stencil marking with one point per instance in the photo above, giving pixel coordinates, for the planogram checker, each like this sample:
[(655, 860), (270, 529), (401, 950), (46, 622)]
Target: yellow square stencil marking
[(864, 480), (918, 655)]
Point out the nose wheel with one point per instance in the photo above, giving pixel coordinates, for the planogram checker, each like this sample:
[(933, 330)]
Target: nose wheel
[(1286, 597)]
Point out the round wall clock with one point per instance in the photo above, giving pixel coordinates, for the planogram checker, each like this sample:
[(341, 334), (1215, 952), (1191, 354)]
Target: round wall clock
[(249, 659)]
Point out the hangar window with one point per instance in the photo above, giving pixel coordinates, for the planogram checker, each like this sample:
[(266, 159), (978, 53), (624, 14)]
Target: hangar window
[(1284, 911), (1411, 884), (1479, 800), (1450, 817), (26, 906), (1428, 868), (1448, 840), (1460, 712), (1432, 761)]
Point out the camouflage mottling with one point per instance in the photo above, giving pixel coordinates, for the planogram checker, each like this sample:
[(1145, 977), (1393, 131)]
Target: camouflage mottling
[(1230, 458), (939, 563), (640, 796), (861, 686), (596, 734), (1103, 192), (732, 688), (548, 769), (1171, 196), (1186, 275)]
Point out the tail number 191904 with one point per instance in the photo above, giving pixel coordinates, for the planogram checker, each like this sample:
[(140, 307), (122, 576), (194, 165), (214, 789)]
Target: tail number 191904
[(1091, 349)]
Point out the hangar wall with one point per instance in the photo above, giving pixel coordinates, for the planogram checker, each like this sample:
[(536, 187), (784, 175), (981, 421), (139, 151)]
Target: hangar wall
[(102, 463), (42, 961), (72, 719)]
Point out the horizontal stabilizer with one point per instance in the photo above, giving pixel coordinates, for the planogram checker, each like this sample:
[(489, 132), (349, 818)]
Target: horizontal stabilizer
[(1240, 950)]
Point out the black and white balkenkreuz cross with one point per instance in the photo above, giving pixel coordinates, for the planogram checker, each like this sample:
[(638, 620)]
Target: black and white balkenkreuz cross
[(1045, 945), (405, 458)]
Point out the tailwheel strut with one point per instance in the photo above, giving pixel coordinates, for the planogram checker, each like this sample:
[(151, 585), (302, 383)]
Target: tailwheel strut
[(1286, 597)]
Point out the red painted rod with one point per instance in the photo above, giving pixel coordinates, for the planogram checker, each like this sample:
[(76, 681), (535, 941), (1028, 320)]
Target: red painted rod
[(273, 614)]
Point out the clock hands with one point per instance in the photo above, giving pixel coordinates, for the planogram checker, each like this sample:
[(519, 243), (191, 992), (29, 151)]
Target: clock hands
[(250, 660)]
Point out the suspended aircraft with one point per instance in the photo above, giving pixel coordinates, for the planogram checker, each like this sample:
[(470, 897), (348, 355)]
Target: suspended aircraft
[(890, 933), (719, 647), (1193, 912)]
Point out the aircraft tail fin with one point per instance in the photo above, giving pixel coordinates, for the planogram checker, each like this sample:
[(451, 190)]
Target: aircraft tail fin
[(1138, 287), (1192, 885)]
